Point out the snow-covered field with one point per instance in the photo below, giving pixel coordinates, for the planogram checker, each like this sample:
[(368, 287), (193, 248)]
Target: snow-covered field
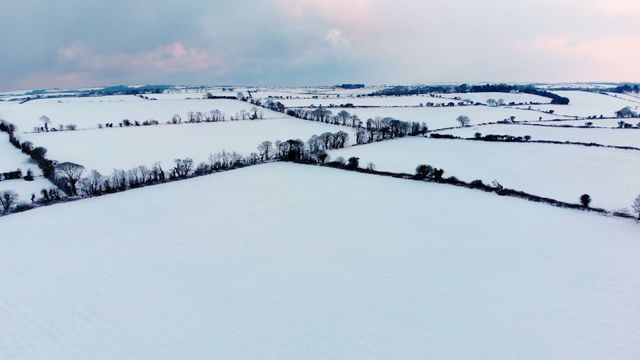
[(506, 97), (606, 123), (368, 101), (583, 104), (632, 97), (87, 112), (562, 172), (12, 159), (287, 261), (124, 148), (413, 100), (615, 137), (25, 189), (444, 117)]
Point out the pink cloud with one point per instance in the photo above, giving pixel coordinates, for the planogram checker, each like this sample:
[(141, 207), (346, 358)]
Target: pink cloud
[(610, 58), (165, 60), (628, 7)]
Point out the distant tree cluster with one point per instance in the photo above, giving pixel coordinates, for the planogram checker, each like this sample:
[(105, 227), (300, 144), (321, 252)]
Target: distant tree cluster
[(428, 172), (626, 112), (46, 128), (626, 88), (194, 117), (464, 88), (374, 129)]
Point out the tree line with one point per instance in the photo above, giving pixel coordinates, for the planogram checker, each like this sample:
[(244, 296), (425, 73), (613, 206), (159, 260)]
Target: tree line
[(465, 88), (371, 130)]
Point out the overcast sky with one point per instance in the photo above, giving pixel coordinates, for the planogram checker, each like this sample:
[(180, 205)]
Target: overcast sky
[(76, 43)]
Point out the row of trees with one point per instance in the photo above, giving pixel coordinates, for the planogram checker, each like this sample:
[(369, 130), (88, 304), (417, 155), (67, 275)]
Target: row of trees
[(214, 115), (46, 128), (374, 129), (626, 112), (71, 177), (625, 125), (465, 88)]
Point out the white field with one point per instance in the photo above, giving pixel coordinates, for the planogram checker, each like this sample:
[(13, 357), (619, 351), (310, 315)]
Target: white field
[(355, 92), (183, 95), (281, 93), (368, 101), (583, 104), (445, 117), (616, 137), (632, 97), (87, 112), (258, 264), (12, 159), (605, 123), (562, 172), (411, 100), (24, 188), (124, 148), (507, 97)]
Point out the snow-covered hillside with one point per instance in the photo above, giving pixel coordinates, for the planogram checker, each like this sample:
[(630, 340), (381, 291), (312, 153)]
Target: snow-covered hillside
[(585, 104), (12, 159), (124, 148), (615, 137), (445, 117), (87, 112), (562, 172), (288, 261)]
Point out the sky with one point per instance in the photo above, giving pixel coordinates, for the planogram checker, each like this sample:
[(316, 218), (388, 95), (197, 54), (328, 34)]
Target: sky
[(84, 43)]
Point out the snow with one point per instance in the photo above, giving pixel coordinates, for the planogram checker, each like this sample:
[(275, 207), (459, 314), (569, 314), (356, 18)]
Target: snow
[(584, 104), (125, 148), (562, 172), (89, 111), (24, 188), (88, 99), (615, 137), (12, 159), (408, 100), (632, 97), (507, 97), (368, 101), (258, 264), (445, 117), (606, 123)]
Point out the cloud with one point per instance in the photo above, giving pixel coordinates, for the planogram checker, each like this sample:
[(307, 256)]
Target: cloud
[(285, 42), (335, 38), (164, 60), (626, 7)]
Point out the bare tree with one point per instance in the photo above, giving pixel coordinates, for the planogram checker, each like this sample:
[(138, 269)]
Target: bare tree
[(343, 116), (636, 206), (71, 173), (182, 167), (463, 120), (266, 150), (145, 173), (92, 185), (45, 119), (7, 199)]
